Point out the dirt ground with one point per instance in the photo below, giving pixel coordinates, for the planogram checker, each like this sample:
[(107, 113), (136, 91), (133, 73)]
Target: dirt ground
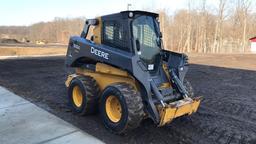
[(227, 113), (28, 51), (238, 61)]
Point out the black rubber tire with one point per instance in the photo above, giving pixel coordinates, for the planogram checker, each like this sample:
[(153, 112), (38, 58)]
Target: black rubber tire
[(189, 88), (90, 91), (131, 104)]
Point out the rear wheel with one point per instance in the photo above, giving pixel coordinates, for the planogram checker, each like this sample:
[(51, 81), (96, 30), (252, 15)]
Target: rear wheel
[(121, 108), (83, 95)]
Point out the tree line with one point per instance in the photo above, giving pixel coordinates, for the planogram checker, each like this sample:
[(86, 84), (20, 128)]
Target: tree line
[(57, 31), (200, 27)]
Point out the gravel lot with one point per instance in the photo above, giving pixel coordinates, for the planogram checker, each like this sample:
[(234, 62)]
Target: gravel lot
[(227, 113)]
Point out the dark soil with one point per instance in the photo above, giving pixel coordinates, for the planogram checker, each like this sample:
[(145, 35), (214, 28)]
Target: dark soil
[(227, 113)]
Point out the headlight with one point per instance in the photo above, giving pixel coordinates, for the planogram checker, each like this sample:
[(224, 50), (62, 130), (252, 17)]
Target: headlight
[(130, 14)]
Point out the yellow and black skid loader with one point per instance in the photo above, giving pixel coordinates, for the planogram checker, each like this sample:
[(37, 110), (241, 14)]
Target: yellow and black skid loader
[(122, 70)]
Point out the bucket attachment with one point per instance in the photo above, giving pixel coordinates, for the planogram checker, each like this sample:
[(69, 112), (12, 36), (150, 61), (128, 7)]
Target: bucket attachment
[(179, 108)]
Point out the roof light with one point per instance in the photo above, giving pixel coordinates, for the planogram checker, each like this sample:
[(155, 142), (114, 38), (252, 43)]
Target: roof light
[(130, 14)]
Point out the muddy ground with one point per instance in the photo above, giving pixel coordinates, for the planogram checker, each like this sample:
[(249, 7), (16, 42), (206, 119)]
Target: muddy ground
[(227, 113)]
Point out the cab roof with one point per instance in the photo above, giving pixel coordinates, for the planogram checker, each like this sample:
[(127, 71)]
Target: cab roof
[(141, 12), (126, 13)]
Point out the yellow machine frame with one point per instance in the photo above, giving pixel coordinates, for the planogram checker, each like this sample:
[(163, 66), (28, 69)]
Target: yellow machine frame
[(105, 75)]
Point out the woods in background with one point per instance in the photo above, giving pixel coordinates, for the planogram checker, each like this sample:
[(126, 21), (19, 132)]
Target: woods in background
[(207, 29), (200, 27), (57, 31)]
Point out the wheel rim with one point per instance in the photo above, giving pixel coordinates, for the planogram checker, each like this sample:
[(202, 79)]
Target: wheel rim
[(77, 96), (113, 109)]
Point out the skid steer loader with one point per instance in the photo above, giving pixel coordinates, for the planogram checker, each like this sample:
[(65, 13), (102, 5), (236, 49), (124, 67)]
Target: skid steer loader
[(122, 70)]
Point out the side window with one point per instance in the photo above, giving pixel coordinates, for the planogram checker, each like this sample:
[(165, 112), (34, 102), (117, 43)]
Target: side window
[(109, 30), (113, 35)]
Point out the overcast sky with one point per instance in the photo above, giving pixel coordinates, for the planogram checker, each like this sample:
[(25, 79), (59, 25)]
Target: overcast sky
[(27, 12)]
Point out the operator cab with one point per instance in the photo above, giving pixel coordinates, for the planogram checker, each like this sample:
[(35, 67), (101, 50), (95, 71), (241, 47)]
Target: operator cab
[(135, 32)]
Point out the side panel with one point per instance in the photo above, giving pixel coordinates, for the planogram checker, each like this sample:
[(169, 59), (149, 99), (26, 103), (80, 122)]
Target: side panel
[(105, 79), (84, 51)]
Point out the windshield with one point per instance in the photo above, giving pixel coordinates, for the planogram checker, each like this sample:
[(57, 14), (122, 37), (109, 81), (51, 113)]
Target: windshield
[(145, 31)]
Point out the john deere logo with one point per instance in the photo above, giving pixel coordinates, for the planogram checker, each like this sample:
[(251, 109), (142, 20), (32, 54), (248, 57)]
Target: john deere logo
[(99, 53)]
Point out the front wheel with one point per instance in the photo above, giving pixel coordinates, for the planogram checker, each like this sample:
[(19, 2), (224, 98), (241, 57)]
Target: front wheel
[(188, 88), (121, 108)]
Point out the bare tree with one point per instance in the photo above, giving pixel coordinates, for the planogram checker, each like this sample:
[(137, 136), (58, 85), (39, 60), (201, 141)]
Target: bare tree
[(244, 6), (219, 27), (187, 45)]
